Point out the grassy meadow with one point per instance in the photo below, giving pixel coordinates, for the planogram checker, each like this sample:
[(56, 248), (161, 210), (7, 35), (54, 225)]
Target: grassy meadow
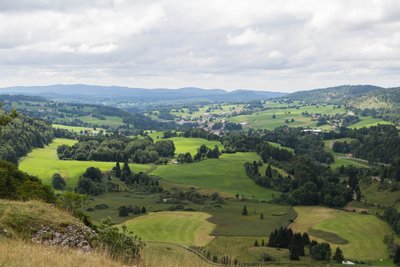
[(109, 121), (44, 162), (264, 120), (363, 233), (340, 158), (183, 145), (76, 129), (225, 175), (367, 122), (182, 227)]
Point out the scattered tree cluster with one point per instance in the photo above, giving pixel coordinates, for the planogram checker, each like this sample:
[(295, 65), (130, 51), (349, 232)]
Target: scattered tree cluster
[(204, 152), (123, 211)]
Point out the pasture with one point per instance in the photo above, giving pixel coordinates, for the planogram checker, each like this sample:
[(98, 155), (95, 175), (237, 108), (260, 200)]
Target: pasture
[(367, 122), (182, 227), (264, 119), (363, 233), (109, 121), (224, 175), (170, 255), (340, 158), (76, 129), (183, 145), (44, 162)]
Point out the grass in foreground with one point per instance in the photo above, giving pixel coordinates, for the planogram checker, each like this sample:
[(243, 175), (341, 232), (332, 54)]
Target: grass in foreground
[(168, 255), (225, 174), (364, 233), (43, 163), (17, 253), (186, 228)]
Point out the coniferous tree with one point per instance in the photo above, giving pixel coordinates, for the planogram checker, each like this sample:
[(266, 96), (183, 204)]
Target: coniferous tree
[(262, 216), (268, 171), (306, 239), (144, 209), (294, 253), (256, 243), (244, 211), (396, 258), (338, 257), (118, 170), (255, 168), (262, 243), (126, 171)]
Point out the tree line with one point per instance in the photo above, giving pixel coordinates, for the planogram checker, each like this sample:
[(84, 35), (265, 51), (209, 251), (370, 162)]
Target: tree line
[(139, 150)]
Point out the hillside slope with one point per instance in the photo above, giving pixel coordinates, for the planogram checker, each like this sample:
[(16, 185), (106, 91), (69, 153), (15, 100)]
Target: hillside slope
[(355, 96)]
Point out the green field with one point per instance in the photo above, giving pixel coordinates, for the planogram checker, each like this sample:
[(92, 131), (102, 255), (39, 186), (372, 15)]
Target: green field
[(368, 122), (187, 228), (341, 158), (364, 233), (170, 255), (225, 175), (109, 121), (43, 163), (264, 120), (373, 194), (183, 145)]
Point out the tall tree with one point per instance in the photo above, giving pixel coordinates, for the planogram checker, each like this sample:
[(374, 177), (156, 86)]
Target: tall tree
[(268, 171), (118, 170), (396, 258), (244, 211), (338, 256)]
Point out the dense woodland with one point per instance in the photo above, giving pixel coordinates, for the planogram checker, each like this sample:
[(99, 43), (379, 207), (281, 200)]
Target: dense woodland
[(21, 135), (119, 148), (377, 144)]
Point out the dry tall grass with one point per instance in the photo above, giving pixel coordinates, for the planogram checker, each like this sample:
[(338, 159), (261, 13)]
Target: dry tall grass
[(17, 253)]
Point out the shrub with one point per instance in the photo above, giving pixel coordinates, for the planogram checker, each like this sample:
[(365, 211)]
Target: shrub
[(121, 244)]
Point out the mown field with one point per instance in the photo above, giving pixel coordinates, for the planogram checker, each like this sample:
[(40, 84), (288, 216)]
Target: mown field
[(362, 234), (170, 255), (43, 163), (182, 227), (225, 175)]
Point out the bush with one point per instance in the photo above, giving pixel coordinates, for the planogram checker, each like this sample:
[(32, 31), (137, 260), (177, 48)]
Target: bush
[(121, 244), (58, 182)]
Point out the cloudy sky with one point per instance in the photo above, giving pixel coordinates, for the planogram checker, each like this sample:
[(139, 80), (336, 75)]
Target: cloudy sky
[(258, 44)]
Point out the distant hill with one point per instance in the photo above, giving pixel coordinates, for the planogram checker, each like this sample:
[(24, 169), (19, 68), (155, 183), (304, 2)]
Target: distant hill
[(92, 93), (356, 96)]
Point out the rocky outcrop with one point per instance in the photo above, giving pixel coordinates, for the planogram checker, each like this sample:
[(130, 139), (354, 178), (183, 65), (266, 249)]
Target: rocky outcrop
[(72, 236)]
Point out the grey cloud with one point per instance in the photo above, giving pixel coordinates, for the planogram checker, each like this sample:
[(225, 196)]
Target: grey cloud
[(274, 45)]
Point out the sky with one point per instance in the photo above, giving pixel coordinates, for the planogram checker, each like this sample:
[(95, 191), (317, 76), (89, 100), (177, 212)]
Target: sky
[(275, 45)]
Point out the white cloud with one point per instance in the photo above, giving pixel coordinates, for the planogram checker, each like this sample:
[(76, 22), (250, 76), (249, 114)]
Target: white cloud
[(275, 45)]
